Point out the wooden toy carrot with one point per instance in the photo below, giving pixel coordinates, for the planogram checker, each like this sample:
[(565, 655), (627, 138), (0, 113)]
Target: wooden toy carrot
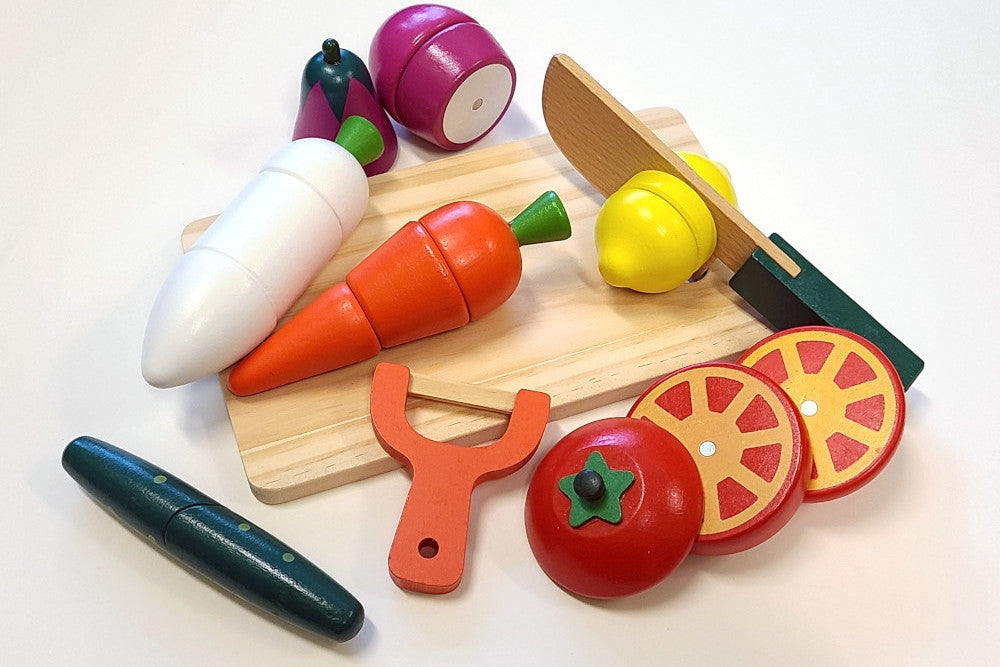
[(456, 264)]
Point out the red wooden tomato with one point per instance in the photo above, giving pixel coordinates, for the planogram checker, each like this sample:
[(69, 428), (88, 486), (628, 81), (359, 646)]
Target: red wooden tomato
[(631, 536)]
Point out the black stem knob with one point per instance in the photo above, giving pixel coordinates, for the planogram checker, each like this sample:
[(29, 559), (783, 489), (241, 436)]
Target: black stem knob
[(331, 52), (589, 485)]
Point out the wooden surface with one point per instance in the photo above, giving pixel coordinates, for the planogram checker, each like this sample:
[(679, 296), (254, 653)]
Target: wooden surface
[(585, 120), (564, 331)]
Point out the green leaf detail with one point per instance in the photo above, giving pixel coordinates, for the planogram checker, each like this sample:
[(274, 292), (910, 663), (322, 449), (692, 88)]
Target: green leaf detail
[(608, 507)]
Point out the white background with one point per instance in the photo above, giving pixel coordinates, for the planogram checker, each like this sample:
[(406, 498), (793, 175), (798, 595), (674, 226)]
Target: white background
[(866, 133)]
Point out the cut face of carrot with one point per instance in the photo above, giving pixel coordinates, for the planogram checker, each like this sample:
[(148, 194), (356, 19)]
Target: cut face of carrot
[(850, 398), (745, 436)]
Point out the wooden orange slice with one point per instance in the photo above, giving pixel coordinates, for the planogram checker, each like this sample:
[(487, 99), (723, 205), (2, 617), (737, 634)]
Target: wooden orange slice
[(744, 433), (850, 398)]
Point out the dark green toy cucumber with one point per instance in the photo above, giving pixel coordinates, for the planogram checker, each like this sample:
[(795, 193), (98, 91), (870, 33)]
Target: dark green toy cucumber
[(213, 540)]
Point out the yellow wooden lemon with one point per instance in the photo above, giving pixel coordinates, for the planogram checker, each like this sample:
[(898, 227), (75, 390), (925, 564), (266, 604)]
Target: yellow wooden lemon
[(655, 231), (714, 173)]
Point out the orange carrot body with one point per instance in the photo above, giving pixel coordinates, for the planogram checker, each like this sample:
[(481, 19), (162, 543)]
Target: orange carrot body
[(456, 264), (407, 289), (331, 332), (482, 252)]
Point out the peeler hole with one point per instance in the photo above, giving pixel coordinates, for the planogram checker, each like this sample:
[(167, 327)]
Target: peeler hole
[(428, 547)]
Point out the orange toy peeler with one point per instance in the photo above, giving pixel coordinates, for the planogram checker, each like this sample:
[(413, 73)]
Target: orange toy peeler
[(428, 550)]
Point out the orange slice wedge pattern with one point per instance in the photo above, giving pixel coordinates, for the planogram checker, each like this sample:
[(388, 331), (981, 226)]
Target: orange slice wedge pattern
[(745, 435), (850, 398)]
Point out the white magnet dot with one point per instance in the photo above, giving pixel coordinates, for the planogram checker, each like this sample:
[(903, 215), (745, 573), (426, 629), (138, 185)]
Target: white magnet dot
[(707, 448), (809, 408)]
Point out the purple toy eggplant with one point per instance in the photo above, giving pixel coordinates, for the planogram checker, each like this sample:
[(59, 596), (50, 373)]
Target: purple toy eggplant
[(336, 84)]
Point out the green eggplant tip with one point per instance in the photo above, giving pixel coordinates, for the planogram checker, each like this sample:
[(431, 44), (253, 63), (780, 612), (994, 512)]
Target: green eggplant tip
[(331, 52)]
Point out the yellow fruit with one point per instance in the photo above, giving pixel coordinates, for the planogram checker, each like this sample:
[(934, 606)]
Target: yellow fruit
[(714, 173), (655, 231)]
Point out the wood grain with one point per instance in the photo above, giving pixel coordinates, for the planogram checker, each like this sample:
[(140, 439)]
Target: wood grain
[(564, 332), (457, 393)]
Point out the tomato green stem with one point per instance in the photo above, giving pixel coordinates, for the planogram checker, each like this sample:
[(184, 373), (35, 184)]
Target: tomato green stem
[(589, 485), (596, 491)]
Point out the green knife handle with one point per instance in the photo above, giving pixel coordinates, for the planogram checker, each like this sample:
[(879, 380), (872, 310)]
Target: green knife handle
[(810, 299)]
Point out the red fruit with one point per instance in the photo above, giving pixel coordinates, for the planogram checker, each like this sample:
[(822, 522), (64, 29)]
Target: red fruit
[(747, 442), (632, 536)]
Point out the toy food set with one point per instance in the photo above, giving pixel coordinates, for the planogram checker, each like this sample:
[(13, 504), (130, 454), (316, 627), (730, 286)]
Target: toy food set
[(329, 259)]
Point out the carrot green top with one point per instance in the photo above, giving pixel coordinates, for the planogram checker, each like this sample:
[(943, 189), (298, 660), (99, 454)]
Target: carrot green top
[(544, 220)]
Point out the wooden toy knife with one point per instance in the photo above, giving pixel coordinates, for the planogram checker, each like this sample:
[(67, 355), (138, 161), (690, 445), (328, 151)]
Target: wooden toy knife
[(607, 144)]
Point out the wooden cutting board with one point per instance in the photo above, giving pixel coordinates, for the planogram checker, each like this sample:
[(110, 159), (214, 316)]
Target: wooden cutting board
[(564, 331)]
